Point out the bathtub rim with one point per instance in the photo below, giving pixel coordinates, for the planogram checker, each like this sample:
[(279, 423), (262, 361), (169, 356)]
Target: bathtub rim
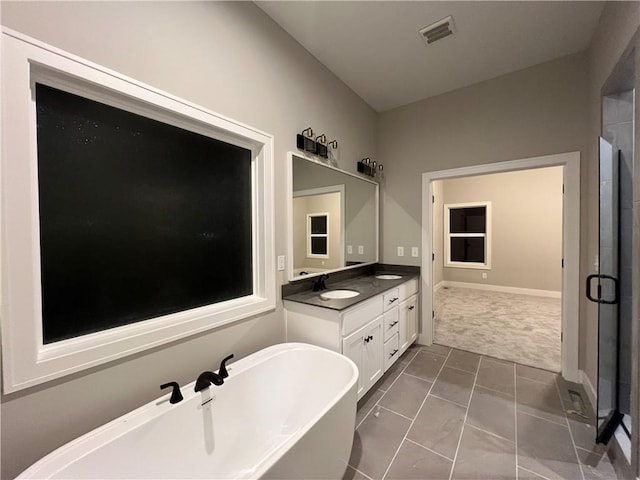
[(93, 440)]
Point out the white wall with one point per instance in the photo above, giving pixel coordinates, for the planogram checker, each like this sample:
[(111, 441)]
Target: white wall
[(232, 59), (526, 227)]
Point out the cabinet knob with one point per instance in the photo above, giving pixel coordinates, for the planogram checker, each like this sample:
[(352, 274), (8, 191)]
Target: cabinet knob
[(368, 339), (412, 307), (393, 300)]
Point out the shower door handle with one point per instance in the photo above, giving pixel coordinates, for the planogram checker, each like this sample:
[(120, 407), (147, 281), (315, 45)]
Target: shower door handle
[(599, 299)]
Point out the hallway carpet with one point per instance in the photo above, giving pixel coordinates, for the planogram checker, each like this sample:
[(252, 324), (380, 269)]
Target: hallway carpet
[(519, 328)]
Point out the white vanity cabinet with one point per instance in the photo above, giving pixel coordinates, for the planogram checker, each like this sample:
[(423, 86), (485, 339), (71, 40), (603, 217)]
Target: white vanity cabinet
[(408, 314), (364, 348), (372, 333)]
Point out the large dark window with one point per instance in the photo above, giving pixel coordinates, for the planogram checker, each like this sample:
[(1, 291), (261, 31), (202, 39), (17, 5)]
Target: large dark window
[(138, 218)]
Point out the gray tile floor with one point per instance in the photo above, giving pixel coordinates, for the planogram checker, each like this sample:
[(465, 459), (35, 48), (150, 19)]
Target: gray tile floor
[(441, 413)]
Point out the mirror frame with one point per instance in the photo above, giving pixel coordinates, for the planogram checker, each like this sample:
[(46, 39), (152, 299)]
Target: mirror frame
[(289, 190)]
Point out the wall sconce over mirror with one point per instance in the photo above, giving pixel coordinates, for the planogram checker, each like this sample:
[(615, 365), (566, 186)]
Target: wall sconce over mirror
[(304, 141), (349, 206), (322, 149), (370, 167)]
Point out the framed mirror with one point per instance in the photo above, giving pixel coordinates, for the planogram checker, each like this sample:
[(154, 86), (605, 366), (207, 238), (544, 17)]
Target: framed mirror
[(333, 219)]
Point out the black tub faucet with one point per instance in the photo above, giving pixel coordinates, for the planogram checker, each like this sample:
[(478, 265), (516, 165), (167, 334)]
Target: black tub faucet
[(222, 371), (318, 284), (206, 379), (176, 395)]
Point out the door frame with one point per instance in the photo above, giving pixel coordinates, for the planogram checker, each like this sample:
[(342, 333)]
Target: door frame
[(570, 246)]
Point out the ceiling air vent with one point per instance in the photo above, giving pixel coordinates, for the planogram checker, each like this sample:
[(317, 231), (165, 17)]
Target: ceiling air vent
[(437, 31)]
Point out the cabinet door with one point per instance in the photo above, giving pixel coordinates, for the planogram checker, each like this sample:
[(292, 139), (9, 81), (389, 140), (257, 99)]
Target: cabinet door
[(353, 347), (408, 322), (373, 362)]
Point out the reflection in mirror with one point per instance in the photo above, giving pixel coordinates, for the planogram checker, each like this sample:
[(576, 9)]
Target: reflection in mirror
[(334, 219)]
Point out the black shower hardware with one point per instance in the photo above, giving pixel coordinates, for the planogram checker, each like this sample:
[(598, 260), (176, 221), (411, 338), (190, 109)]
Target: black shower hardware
[(599, 299), (206, 379), (176, 394), (321, 148), (222, 371), (318, 284), (304, 141)]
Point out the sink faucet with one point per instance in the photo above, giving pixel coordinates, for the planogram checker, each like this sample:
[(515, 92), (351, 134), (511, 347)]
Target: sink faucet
[(206, 379), (318, 284)]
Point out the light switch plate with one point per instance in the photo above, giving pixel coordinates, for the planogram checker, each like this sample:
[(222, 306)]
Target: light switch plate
[(414, 251), (280, 262), (401, 251), (361, 249), (349, 249)]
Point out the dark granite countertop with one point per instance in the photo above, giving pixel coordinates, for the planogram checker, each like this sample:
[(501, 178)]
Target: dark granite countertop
[(368, 286)]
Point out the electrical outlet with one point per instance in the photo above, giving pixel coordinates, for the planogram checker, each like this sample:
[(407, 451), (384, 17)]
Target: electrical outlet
[(401, 251), (360, 249), (484, 276), (349, 249), (414, 251), (280, 262)]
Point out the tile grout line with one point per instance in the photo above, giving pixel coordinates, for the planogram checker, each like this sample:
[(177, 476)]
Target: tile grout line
[(535, 473), (450, 401), (494, 390), (515, 414), (429, 450), (573, 442), (361, 473), (413, 421), (380, 406), (385, 391), (464, 421), (414, 376), (394, 412), (545, 419), (488, 432)]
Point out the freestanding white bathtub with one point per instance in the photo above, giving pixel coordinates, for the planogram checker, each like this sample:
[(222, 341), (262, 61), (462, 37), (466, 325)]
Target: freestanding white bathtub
[(287, 411)]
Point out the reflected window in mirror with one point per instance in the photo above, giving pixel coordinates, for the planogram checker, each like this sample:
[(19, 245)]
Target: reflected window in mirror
[(350, 204), (318, 235)]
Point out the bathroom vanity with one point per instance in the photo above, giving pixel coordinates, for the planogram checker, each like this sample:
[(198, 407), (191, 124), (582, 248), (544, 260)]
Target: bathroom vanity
[(373, 328)]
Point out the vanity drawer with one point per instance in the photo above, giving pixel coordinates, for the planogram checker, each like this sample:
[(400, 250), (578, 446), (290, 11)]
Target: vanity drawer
[(408, 288), (391, 299), (390, 323), (361, 314), (391, 351)]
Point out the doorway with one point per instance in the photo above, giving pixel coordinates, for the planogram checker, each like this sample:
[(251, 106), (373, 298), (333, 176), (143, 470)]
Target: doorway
[(497, 265), (570, 247)]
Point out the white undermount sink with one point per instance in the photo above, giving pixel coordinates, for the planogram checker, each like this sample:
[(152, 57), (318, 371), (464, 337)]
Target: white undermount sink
[(339, 294), (388, 277)]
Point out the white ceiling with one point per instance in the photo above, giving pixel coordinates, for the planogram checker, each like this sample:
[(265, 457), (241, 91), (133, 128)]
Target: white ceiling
[(375, 47)]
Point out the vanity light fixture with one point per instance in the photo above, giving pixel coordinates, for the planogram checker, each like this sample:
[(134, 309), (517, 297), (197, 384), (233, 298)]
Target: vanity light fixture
[(304, 141), (321, 149), (370, 168), (333, 144)]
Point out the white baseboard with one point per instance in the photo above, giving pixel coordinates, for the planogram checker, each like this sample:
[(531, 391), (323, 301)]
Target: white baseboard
[(588, 387), (500, 288)]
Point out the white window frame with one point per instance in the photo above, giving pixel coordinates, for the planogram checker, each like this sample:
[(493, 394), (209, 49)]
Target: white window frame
[(486, 265), (310, 235), (26, 361)]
